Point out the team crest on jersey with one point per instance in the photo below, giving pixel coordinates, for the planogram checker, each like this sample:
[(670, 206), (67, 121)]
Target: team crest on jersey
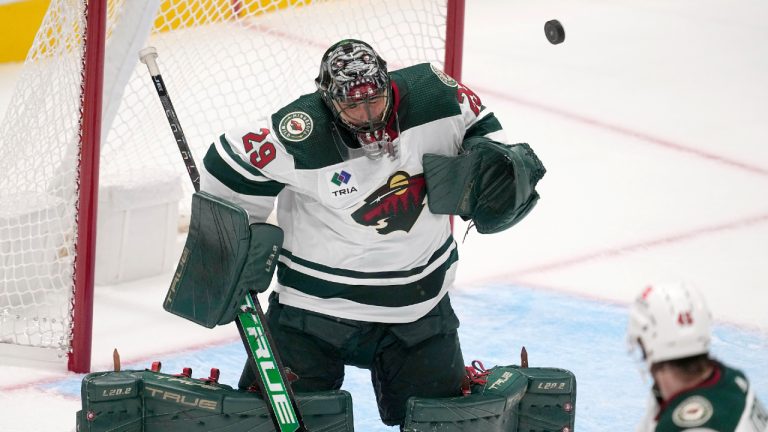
[(450, 82), (342, 183), (692, 412), (295, 126), (394, 206)]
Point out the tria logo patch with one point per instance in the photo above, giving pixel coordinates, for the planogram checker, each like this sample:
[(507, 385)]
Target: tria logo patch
[(394, 206), (295, 126), (340, 178), (343, 183)]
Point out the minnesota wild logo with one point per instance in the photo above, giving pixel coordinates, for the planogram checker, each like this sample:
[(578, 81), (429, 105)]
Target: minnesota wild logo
[(447, 80), (692, 412), (295, 126), (394, 206)]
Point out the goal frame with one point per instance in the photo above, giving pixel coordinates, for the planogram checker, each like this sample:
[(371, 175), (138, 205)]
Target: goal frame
[(79, 357)]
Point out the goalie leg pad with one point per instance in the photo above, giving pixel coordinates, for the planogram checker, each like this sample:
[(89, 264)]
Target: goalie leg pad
[(513, 399), (146, 401), (549, 403), (223, 258)]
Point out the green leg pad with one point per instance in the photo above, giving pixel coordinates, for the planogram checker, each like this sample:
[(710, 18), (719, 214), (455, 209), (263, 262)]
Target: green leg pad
[(460, 414), (513, 400), (550, 401), (165, 403), (111, 402)]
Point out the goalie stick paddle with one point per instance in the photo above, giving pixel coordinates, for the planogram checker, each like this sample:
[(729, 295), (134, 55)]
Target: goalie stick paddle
[(258, 342)]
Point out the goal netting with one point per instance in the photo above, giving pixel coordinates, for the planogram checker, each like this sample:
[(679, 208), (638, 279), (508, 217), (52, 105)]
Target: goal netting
[(225, 62)]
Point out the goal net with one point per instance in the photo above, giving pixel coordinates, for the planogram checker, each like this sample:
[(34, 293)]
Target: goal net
[(225, 62)]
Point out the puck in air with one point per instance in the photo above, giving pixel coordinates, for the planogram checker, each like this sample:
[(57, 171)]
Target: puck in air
[(554, 31)]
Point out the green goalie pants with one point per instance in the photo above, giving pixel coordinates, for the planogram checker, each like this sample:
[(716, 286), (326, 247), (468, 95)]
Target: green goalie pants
[(422, 358)]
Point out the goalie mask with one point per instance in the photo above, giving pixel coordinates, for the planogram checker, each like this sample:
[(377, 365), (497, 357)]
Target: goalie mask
[(668, 322), (354, 84)]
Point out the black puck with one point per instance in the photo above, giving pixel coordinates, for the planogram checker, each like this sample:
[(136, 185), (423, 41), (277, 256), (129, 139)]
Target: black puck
[(554, 31)]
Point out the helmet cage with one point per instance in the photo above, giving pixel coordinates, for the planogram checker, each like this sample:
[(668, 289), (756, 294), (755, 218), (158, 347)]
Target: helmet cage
[(352, 73)]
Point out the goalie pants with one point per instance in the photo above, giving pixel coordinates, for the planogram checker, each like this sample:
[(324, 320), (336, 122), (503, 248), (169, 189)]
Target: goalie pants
[(422, 358)]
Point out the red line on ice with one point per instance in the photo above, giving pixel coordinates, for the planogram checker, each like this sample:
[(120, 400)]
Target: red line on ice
[(640, 246), (642, 136)]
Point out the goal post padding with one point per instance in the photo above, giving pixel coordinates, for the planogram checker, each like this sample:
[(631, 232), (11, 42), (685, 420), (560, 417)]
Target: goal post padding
[(148, 401)]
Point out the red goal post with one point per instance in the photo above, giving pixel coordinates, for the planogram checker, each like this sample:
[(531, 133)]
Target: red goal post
[(84, 116)]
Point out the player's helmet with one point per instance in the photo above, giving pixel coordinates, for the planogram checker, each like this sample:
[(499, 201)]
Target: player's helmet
[(669, 321), (353, 79)]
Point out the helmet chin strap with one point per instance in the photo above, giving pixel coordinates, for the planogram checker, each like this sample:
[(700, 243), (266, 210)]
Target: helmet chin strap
[(378, 143)]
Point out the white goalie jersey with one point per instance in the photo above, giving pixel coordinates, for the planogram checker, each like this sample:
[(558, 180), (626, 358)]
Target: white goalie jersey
[(360, 241)]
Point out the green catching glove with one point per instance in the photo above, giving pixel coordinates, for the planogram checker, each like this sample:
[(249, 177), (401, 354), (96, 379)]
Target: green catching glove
[(491, 183)]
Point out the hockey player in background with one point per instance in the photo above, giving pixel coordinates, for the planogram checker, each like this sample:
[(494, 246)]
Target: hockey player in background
[(366, 171), (669, 325)]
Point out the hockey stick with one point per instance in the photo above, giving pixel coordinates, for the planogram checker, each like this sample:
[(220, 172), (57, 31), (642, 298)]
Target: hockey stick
[(258, 342)]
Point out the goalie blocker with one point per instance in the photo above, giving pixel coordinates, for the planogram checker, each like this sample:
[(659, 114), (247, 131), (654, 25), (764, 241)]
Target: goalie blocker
[(223, 258)]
